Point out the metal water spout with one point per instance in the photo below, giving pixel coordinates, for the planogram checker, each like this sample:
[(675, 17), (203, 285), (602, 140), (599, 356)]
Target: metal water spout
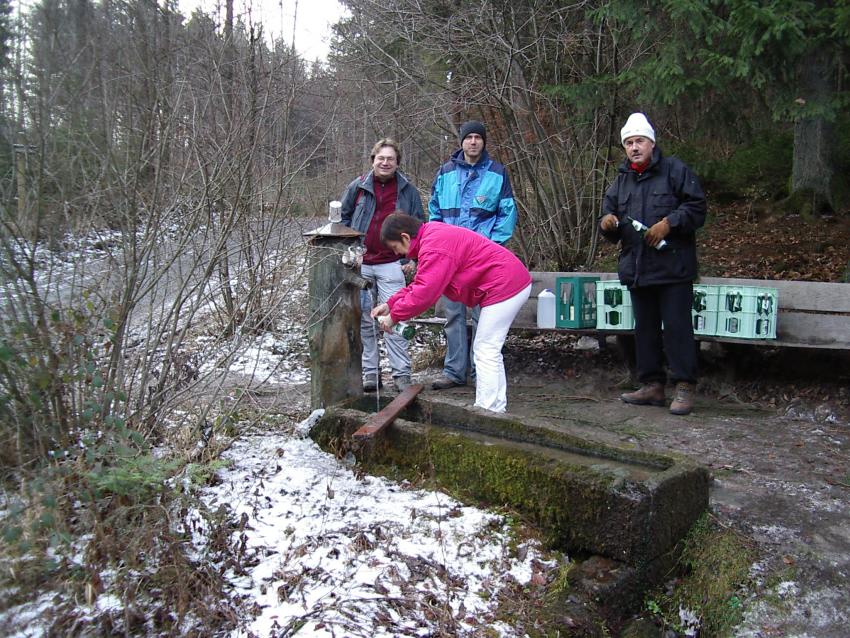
[(333, 325)]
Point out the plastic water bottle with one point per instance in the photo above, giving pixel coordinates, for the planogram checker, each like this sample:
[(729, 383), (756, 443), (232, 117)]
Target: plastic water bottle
[(546, 309)]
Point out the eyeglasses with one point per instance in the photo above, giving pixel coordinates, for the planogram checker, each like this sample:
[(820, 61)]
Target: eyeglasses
[(388, 159)]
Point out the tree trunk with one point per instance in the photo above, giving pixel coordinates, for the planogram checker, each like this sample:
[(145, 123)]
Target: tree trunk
[(812, 169)]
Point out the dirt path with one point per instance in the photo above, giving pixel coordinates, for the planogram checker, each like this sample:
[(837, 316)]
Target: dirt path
[(782, 481)]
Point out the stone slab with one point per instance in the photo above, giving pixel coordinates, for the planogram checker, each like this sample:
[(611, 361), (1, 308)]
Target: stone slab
[(586, 496)]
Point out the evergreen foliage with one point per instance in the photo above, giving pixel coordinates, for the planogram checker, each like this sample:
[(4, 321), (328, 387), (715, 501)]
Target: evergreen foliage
[(6, 34), (787, 57), (757, 170)]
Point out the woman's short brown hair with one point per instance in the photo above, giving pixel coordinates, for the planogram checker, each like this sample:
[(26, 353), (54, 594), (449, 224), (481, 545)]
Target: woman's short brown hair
[(397, 223)]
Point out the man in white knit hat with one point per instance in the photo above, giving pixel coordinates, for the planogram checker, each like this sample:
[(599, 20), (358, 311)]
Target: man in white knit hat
[(658, 265)]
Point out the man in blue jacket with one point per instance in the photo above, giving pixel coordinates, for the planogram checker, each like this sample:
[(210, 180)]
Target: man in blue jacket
[(659, 264), (470, 190), (366, 203)]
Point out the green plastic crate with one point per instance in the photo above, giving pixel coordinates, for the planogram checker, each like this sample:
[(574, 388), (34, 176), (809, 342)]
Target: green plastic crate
[(613, 306), (575, 302), (747, 312), (704, 309)]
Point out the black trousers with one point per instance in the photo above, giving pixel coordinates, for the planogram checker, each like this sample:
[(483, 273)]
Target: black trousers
[(670, 304)]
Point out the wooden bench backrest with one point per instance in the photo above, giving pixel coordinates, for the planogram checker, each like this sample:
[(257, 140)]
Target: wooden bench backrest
[(811, 314)]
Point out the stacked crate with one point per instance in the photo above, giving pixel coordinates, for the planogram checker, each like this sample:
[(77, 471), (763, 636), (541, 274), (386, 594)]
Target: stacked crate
[(704, 309), (741, 312), (575, 302), (613, 306), (747, 312)]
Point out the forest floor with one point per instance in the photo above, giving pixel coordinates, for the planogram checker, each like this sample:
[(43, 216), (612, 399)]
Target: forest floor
[(771, 425), (742, 240)]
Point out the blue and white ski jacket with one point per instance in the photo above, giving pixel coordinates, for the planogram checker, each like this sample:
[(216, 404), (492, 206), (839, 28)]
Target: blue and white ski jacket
[(478, 197)]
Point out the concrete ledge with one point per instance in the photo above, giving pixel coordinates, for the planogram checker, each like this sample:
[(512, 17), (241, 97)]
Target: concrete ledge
[(585, 496)]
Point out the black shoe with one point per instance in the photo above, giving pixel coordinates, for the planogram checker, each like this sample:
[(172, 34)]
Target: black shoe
[(444, 383)]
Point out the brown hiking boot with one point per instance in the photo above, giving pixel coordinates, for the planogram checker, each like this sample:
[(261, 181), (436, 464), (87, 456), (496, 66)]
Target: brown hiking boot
[(683, 401), (444, 383), (648, 394)]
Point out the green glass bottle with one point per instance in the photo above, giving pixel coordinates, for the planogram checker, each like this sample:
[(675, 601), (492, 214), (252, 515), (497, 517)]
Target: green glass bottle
[(403, 329), (641, 229)]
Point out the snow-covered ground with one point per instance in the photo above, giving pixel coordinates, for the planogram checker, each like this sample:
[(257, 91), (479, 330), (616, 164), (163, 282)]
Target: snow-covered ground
[(337, 553), (326, 550)]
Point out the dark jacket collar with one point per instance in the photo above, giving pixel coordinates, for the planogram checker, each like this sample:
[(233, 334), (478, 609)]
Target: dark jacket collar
[(367, 182), (626, 165), (457, 158)]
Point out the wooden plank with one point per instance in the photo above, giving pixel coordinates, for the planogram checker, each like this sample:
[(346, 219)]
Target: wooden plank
[(429, 321), (796, 330), (380, 420), (811, 314), (814, 330), (816, 296)]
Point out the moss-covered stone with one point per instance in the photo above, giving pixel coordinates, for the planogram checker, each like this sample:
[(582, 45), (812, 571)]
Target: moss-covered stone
[(627, 505), (713, 565)]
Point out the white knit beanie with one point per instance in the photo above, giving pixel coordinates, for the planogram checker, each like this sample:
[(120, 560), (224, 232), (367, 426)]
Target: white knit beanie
[(637, 124)]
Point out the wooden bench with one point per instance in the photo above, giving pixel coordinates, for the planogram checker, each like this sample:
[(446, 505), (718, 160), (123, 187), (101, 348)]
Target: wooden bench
[(810, 314)]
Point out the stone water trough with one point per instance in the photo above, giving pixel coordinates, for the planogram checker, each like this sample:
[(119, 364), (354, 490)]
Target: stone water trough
[(587, 497), (620, 512)]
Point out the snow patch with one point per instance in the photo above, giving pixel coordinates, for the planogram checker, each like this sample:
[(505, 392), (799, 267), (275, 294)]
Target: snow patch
[(331, 552)]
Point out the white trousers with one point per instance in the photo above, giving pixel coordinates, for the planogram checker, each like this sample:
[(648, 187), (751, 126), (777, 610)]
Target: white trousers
[(491, 387)]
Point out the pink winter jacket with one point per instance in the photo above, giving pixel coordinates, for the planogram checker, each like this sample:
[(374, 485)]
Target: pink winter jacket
[(460, 264)]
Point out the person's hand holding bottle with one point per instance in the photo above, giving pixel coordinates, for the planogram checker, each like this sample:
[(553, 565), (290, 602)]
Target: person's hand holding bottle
[(382, 314)]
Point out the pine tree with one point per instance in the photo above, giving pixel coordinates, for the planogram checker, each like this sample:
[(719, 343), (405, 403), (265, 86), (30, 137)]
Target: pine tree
[(789, 55)]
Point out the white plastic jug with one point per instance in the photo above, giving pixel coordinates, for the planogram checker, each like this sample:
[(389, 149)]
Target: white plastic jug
[(546, 309)]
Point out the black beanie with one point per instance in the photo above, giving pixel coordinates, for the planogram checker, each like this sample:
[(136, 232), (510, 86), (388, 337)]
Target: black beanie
[(473, 126)]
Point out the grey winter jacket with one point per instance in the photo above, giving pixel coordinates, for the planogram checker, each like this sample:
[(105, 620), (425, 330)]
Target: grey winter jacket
[(668, 188), (358, 201)]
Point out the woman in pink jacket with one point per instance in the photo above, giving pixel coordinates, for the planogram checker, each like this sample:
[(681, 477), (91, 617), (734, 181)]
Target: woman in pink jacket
[(467, 267)]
